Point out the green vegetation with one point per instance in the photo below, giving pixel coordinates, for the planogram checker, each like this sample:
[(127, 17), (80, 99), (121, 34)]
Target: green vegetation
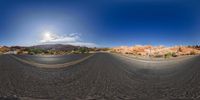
[(33, 51), (174, 54), (168, 55), (80, 50), (83, 50)]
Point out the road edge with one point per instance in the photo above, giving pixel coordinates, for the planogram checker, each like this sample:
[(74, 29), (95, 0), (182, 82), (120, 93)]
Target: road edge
[(52, 65), (153, 61)]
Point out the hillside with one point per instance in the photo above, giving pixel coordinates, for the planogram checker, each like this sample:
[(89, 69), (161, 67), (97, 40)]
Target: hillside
[(156, 51), (60, 47), (52, 49)]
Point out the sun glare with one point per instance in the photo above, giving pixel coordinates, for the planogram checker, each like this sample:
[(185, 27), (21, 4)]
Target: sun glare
[(47, 36)]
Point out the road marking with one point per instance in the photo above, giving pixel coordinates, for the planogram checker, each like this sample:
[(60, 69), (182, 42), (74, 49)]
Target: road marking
[(52, 65)]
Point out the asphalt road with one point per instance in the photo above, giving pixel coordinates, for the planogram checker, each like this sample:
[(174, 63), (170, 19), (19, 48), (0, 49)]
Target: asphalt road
[(103, 77)]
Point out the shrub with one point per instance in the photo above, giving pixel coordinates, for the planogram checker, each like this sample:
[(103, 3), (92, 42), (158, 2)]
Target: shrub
[(33, 51), (30, 52), (83, 50), (168, 55), (158, 56), (174, 54), (75, 52), (192, 53)]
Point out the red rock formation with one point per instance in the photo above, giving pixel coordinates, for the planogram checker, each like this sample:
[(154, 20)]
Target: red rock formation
[(156, 51)]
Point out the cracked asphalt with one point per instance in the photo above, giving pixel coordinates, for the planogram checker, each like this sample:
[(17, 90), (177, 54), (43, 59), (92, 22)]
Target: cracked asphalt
[(103, 76)]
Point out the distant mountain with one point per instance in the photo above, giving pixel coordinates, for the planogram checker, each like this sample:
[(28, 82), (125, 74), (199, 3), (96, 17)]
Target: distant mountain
[(60, 47), (56, 47)]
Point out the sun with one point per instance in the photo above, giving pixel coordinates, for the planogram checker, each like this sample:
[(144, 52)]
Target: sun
[(47, 36)]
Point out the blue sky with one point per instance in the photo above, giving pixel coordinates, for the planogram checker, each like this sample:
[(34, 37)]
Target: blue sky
[(100, 23)]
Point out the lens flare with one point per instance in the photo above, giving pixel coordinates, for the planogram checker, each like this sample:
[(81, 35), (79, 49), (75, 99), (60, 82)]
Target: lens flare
[(47, 36)]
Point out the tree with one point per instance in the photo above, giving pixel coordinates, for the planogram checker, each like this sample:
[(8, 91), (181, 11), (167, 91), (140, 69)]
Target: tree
[(83, 50)]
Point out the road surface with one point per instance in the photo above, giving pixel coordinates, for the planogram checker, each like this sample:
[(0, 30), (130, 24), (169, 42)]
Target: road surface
[(52, 59), (102, 77)]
